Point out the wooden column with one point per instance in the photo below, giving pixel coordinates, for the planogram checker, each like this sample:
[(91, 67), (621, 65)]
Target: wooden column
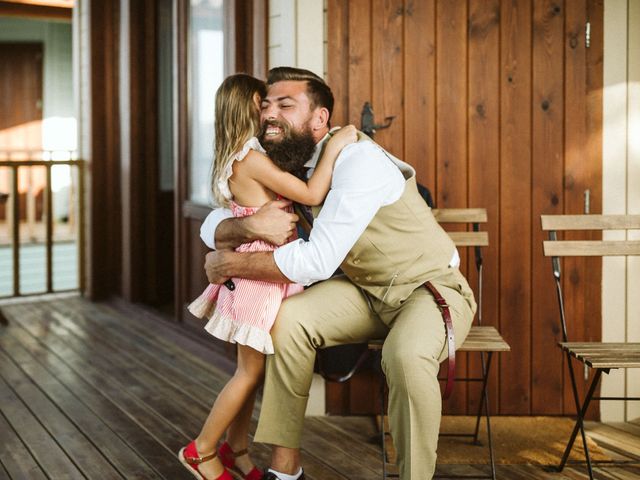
[(103, 178), (139, 158)]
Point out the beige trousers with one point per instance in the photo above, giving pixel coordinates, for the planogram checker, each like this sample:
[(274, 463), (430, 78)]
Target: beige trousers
[(336, 312)]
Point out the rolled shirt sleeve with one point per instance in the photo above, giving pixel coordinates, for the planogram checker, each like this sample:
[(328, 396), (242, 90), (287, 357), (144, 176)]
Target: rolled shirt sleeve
[(364, 180), (210, 224)]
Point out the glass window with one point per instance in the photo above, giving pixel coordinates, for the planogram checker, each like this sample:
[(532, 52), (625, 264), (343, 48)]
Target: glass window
[(206, 60)]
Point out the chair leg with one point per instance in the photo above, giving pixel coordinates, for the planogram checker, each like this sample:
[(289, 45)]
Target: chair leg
[(485, 395), (484, 402), (581, 412)]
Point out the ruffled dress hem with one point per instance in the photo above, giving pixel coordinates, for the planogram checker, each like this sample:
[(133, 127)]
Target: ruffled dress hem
[(226, 329), (203, 306)]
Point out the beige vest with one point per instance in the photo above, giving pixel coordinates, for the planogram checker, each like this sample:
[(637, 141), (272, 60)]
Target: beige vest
[(402, 247)]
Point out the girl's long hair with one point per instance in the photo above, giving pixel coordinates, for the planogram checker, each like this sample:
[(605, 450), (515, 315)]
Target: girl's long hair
[(236, 121)]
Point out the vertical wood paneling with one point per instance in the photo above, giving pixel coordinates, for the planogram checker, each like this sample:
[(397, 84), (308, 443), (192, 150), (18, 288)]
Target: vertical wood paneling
[(501, 110), (359, 57), (419, 90), (354, 19), (360, 91), (386, 71), (547, 189), (582, 295), (484, 164), (338, 75), (385, 68), (515, 204), (451, 132), (593, 157)]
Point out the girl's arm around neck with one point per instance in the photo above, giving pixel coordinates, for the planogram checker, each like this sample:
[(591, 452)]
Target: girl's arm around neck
[(264, 171)]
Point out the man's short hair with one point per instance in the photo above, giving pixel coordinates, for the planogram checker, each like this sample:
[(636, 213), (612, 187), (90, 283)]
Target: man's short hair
[(318, 91)]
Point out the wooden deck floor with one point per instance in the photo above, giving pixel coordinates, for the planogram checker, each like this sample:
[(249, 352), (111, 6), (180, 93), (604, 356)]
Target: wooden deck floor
[(104, 391)]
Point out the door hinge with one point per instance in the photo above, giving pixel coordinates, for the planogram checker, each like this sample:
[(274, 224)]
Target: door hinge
[(587, 34)]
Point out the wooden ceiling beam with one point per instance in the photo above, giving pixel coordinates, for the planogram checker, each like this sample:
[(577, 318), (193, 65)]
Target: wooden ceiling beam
[(59, 10)]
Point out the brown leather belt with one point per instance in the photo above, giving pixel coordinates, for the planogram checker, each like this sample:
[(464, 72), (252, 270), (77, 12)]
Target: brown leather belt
[(451, 343)]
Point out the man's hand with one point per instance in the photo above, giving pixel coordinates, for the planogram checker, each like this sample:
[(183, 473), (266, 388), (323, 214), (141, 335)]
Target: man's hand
[(271, 223), (214, 265), (220, 265)]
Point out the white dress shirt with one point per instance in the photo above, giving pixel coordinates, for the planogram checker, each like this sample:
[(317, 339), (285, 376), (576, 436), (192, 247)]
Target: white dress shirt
[(364, 180)]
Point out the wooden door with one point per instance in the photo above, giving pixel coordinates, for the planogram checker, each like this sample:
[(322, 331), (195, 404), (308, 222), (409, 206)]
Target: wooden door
[(21, 120), (497, 105)]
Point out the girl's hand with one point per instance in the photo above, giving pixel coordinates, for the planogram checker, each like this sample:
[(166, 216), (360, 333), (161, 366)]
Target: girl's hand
[(343, 137)]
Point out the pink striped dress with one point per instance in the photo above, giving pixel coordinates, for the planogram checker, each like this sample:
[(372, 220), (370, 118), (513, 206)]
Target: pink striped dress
[(246, 314)]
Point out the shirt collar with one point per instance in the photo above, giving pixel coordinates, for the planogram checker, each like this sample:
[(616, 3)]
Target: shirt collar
[(313, 161)]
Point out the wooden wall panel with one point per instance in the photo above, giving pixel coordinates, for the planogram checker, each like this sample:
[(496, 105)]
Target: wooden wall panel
[(579, 180), (515, 204), (593, 155), (419, 90), (387, 70), (451, 134), (547, 181), (501, 108), (361, 80), (338, 77), (483, 112), (337, 395), (360, 12)]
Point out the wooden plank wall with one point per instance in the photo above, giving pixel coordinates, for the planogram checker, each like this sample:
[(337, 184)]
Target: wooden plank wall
[(496, 105)]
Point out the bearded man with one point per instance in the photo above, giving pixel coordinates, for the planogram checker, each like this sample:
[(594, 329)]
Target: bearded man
[(376, 227)]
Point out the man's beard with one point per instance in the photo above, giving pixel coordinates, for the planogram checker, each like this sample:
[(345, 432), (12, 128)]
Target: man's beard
[(293, 151)]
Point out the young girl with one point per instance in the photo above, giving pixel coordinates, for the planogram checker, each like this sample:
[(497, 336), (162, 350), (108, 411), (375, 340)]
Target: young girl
[(245, 179)]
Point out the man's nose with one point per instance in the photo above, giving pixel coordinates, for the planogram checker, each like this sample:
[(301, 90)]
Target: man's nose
[(269, 113)]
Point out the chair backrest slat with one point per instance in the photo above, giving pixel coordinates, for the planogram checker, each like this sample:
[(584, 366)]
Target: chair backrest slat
[(590, 222), (590, 248), (468, 218), (470, 239), (460, 215)]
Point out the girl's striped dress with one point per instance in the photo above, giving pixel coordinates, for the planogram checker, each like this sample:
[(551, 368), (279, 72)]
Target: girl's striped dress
[(246, 314)]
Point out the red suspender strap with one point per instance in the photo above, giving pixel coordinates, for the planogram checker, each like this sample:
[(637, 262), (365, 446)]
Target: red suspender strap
[(451, 344)]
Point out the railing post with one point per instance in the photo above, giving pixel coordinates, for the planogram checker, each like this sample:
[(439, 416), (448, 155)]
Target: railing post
[(15, 230), (48, 210), (80, 223)]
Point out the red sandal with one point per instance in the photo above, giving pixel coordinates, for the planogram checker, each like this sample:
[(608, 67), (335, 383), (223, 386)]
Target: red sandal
[(228, 459), (191, 459)]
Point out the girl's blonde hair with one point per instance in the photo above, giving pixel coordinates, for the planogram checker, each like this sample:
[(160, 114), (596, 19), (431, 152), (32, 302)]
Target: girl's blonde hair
[(236, 120)]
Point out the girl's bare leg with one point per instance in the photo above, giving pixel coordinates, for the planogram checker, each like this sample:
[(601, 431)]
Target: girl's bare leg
[(238, 433), (230, 402)]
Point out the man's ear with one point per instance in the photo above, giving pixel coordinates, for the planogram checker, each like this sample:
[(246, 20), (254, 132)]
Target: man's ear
[(320, 118)]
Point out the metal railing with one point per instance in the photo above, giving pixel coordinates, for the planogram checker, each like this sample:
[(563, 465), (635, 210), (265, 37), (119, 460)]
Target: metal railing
[(14, 160)]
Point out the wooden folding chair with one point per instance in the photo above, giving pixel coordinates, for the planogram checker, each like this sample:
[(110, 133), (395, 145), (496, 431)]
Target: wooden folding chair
[(485, 340), (601, 356)]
